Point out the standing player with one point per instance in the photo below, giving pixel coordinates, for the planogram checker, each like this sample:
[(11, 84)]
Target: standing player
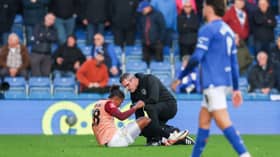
[(103, 125), (216, 52)]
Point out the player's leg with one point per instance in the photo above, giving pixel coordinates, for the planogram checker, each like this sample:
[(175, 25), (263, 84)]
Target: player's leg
[(142, 122), (203, 132), (224, 123), (126, 135)]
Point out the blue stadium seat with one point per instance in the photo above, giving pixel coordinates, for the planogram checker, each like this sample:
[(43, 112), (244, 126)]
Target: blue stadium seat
[(160, 66), (135, 50), (86, 50), (243, 84), (39, 87), (18, 87), (165, 78), (114, 80), (18, 26), (65, 86), (136, 66)]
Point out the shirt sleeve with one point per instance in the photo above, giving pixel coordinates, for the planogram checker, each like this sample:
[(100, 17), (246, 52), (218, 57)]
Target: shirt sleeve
[(113, 110), (234, 67), (204, 37)]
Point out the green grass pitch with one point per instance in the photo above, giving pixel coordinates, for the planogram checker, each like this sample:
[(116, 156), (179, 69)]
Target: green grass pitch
[(86, 146)]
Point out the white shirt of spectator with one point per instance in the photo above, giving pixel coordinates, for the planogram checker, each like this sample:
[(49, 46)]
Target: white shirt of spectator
[(14, 59), (241, 16)]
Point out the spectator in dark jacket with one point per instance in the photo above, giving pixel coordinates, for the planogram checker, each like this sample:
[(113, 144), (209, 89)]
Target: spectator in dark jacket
[(44, 35), (264, 23), (68, 58), (95, 15), (123, 16), (152, 28), (188, 25), (110, 57), (14, 58), (275, 53), (34, 12), (261, 77), (8, 10), (66, 12), (275, 61)]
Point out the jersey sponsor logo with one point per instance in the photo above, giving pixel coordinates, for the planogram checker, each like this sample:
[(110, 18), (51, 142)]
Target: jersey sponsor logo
[(143, 91)]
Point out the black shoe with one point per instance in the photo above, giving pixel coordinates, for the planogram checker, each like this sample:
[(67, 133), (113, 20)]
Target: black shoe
[(154, 143), (186, 141)]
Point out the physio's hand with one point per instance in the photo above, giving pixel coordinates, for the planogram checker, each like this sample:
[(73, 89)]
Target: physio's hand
[(139, 104), (237, 99)]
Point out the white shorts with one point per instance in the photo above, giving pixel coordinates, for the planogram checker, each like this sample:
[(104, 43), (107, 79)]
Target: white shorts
[(125, 135), (215, 98)]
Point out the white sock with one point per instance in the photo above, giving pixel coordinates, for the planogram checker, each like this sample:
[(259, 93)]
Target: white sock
[(245, 155)]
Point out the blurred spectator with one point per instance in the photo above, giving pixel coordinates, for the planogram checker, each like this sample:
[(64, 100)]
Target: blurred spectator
[(275, 60), (245, 60), (169, 12), (238, 20), (152, 28), (44, 35), (68, 58), (261, 77), (110, 58), (123, 17), (275, 53), (188, 25), (66, 12), (199, 7), (93, 75), (34, 12), (190, 83), (264, 23), (180, 5), (95, 15), (14, 58), (8, 10)]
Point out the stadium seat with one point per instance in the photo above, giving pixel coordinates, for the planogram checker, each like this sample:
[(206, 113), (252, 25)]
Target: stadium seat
[(86, 50), (165, 78), (18, 87), (160, 66), (114, 80), (136, 66), (39, 87), (135, 50), (65, 86)]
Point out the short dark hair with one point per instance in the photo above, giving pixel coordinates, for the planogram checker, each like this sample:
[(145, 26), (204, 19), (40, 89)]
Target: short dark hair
[(126, 76), (115, 91), (219, 6)]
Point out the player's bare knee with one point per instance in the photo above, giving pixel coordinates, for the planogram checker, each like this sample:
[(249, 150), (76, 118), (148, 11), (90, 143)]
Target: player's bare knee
[(143, 121)]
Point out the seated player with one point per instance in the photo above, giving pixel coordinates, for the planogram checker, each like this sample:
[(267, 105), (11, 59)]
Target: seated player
[(104, 128)]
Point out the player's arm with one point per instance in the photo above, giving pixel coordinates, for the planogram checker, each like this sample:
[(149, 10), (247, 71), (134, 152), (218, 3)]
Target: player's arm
[(204, 37), (113, 110), (236, 95)]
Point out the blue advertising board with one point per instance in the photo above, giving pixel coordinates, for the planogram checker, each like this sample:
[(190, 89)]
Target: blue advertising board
[(49, 117)]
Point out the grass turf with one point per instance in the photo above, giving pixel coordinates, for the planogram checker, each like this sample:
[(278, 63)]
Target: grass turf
[(85, 146)]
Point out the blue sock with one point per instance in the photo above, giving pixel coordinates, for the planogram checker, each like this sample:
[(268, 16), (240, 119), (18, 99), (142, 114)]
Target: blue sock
[(200, 142), (235, 140)]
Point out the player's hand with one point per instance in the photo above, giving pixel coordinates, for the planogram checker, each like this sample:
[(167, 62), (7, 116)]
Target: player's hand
[(139, 104), (237, 99), (175, 84)]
